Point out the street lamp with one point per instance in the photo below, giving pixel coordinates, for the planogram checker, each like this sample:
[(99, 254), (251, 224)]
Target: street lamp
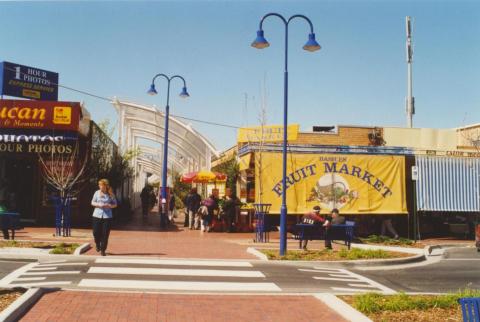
[(183, 94), (311, 45)]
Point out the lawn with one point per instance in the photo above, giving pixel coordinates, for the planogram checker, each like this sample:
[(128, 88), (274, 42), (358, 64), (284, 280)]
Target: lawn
[(55, 248), (333, 255), (403, 307)]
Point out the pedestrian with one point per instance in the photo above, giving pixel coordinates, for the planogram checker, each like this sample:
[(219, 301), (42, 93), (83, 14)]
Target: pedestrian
[(230, 205), (104, 201), (193, 204), (388, 225), (171, 208), (145, 198), (185, 210), (333, 219), (312, 218), (212, 207)]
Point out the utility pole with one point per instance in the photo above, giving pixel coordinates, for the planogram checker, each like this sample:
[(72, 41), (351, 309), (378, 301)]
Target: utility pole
[(410, 100)]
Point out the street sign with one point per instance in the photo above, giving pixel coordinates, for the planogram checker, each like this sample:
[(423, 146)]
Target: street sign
[(28, 82), (414, 173)]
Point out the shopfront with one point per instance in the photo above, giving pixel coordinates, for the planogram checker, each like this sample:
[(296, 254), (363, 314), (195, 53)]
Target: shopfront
[(33, 135)]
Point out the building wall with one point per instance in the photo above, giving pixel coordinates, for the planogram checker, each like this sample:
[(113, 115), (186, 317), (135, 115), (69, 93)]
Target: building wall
[(421, 138)]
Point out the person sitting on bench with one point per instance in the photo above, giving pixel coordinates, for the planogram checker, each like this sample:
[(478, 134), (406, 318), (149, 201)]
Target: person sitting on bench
[(311, 218), (333, 219)]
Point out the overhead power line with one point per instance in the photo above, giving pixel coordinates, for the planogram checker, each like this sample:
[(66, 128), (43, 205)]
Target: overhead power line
[(111, 100)]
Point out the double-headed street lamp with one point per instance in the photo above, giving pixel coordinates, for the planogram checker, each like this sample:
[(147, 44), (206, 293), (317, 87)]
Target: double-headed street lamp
[(260, 42), (183, 94)]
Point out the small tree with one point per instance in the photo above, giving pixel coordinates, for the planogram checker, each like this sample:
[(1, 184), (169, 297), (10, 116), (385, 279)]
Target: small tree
[(65, 173)]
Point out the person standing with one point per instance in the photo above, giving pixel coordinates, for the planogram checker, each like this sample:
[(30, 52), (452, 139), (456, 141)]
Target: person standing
[(230, 205), (388, 225), (212, 206), (193, 204), (171, 208), (145, 198), (104, 201)]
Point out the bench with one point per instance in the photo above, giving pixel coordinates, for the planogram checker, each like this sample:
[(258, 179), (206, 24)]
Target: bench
[(10, 221), (470, 309), (317, 232)]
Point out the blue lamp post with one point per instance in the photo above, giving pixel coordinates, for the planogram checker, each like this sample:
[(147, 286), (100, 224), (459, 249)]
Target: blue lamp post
[(183, 94), (311, 45)]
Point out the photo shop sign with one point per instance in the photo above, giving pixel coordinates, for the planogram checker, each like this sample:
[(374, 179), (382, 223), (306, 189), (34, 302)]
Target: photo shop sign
[(28, 82), (23, 114), (37, 142)]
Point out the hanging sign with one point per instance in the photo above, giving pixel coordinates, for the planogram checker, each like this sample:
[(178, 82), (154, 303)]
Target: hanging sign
[(14, 141), (28, 82)]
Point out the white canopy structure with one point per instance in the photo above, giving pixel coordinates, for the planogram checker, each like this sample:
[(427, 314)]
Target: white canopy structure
[(137, 124)]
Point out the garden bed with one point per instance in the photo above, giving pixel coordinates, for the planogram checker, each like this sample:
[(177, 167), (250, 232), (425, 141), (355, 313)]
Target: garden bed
[(403, 307), (333, 255), (7, 297), (387, 241), (55, 248)]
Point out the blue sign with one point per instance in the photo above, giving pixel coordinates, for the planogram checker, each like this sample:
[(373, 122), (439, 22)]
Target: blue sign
[(28, 82)]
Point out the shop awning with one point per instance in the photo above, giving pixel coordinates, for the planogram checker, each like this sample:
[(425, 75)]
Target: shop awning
[(448, 184), (244, 162)]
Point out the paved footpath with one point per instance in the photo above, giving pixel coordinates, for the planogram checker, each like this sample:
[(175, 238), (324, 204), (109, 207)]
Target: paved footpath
[(103, 306)]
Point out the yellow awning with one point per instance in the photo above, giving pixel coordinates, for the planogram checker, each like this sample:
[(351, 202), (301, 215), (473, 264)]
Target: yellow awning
[(244, 163)]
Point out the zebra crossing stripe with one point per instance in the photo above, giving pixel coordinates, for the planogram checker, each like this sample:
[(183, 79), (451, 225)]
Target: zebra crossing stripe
[(4, 282), (175, 272), (180, 286), (172, 262)]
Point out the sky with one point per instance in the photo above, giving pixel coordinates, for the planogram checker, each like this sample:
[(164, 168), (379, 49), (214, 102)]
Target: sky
[(359, 77)]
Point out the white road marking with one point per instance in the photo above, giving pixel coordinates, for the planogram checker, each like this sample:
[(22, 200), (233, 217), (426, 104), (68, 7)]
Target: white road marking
[(339, 275), (62, 264), (176, 272), (43, 269), (172, 262), (55, 261), (336, 279), (346, 289), (461, 259), (364, 279), (315, 270), (15, 274), (21, 279), (52, 273), (178, 286), (42, 284), (328, 269), (361, 285)]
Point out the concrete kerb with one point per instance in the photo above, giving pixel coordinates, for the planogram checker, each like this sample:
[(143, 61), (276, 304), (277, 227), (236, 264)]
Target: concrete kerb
[(342, 308), (18, 308), (82, 249)]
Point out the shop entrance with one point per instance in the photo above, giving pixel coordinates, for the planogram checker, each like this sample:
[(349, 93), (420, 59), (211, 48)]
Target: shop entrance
[(17, 182)]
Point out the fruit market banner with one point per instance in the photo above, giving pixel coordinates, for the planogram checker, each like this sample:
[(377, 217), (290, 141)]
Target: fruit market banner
[(355, 184)]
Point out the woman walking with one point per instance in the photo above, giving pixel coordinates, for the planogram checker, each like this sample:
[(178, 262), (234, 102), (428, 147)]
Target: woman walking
[(104, 201)]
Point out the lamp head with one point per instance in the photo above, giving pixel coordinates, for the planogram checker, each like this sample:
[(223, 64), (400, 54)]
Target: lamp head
[(184, 93), (311, 45), (260, 42), (152, 90)]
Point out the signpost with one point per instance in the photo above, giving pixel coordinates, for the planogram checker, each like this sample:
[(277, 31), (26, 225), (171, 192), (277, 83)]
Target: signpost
[(28, 82)]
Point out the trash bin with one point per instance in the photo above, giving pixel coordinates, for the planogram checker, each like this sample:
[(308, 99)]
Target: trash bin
[(262, 228)]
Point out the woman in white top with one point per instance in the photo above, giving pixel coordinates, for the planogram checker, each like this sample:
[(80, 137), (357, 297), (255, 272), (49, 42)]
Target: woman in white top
[(104, 201)]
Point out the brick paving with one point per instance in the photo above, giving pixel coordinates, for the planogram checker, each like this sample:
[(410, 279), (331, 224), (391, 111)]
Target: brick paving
[(70, 306)]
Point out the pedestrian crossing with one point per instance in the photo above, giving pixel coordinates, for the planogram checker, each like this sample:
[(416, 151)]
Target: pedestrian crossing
[(144, 274), (355, 283)]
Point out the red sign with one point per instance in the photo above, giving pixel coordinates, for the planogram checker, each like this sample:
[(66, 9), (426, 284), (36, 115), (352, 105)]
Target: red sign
[(49, 115)]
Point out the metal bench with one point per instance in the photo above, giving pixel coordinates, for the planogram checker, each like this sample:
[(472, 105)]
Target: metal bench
[(470, 309), (317, 232), (10, 221)]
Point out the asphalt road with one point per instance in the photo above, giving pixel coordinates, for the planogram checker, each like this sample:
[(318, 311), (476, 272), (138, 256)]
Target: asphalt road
[(459, 269)]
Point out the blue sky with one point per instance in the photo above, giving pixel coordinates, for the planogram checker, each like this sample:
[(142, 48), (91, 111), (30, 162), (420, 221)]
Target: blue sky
[(359, 76)]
